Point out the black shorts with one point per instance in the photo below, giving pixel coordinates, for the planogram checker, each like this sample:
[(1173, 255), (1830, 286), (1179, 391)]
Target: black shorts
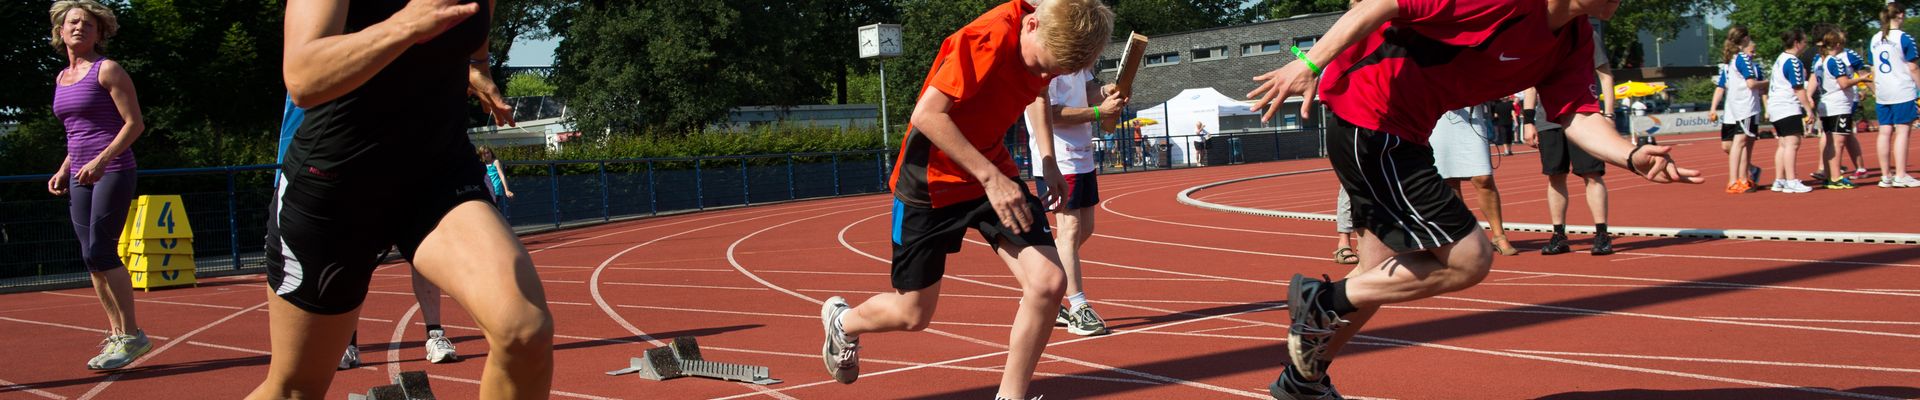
[(1558, 155), (1837, 124), (1749, 127), (326, 231), (1502, 134), (1083, 190), (1790, 126), (1395, 190), (923, 237)]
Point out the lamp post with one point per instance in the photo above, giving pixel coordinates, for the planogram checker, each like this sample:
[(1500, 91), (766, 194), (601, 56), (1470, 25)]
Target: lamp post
[(880, 42)]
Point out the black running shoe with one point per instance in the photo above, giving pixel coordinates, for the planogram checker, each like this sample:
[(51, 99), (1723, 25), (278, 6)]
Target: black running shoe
[(1602, 244), (1556, 245), (1289, 386), (1313, 326)]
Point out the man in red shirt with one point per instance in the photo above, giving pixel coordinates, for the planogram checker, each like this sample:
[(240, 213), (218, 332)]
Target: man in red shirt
[(954, 173), (1392, 68)]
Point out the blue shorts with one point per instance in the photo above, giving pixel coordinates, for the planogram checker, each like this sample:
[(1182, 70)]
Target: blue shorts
[(1897, 114)]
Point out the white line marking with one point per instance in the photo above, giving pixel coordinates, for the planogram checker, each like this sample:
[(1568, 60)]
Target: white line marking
[(1726, 361), (231, 348), (4, 384), (682, 286), (1833, 321), (80, 328), (163, 348)]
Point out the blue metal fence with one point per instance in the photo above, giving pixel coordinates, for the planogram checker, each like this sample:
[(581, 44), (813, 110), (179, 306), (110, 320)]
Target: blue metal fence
[(228, 205)]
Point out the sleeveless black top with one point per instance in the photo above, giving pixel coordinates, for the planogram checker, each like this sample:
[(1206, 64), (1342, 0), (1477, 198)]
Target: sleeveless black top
[(410, 117)]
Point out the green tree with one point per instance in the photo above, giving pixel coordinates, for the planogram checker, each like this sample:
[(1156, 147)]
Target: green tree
[(528, 84), (1767, 20), (1661, 19), (1278, 9), (1155, 17)]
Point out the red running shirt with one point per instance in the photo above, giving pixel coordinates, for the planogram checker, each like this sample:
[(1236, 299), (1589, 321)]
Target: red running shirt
[(981, 70), (1440, 55)]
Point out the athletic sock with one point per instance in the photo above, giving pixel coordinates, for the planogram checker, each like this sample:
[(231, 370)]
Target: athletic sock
[(1599, 229), (1559, 229), (1074, 301), (841, 325), (1335, 298), (434, 327)]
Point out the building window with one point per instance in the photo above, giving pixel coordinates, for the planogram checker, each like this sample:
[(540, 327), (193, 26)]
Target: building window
[(1306, 43), (1210, 53), (1261, 48), (1110, 64), (1163, 59)]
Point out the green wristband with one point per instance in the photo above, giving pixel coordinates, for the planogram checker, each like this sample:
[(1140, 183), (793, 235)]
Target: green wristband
[(1302, 56), (1096, 114)]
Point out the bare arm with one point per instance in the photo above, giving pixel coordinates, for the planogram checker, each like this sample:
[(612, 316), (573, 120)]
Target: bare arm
[(322, 64), (1606, 89), (480, 82), (1296, 79), (930, 118), (1595, 134), (1713, 108), (503, 175)]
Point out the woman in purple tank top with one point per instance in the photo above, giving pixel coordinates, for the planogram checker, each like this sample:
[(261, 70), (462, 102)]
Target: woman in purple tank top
[(94, 98)]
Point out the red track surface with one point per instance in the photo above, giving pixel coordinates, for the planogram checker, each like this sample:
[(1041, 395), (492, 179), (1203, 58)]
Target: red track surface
[(1187, 290)]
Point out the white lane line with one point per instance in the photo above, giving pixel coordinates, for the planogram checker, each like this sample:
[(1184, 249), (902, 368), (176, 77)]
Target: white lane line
[(1725, 361), (4, 384), (73, 327), (682, 286), (1830, 321), (163, 349)]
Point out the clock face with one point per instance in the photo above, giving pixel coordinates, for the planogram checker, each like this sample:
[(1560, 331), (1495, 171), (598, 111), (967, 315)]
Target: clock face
[(880, 40), (889, 41)]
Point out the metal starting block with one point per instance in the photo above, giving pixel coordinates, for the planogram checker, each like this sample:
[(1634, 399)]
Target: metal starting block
[(406, 386), (682, 358)]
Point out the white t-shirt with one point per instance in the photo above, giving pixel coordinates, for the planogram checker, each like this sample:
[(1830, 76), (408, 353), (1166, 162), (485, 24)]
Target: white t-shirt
[(1789, 78), (1742, 100), (1889, 54), (1072, 143), (1838, 100)]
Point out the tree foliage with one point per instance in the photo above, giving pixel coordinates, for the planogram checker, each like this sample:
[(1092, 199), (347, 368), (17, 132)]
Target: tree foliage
[(1278, 9), (1156, 17)]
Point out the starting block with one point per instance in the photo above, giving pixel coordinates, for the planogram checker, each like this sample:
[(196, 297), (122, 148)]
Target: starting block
[(682, 358), (406, 386)]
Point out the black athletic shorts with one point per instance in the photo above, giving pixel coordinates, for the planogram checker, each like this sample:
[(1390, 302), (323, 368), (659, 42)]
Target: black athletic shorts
[(326, 230), (1083, 190), (1502, 134), (923, 237), (1790, 126), (1749, 127), (1558, 155), (1395, 190), (1840, 124)]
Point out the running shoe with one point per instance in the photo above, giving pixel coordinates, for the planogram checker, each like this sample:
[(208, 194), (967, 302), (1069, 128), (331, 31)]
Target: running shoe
[(1860, 173), (119, 350), (1065, 318), (1289, 386), (439, 349), (1086, 322), (1739, 187), (1753, 173), (842, 354), (1793, 186), (1779, 185), (1840, 184), (1906, 181), (351, 359), (1602, 245), (1819, 176), (1313, 326), (1885, 182), (1556, 245)]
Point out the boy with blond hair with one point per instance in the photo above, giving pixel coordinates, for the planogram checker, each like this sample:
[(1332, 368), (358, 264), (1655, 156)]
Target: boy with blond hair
[(954, 173)]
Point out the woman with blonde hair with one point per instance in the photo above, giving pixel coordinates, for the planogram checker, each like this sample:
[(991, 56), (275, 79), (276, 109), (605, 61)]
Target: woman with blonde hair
[(1892, 55), (94, 98)]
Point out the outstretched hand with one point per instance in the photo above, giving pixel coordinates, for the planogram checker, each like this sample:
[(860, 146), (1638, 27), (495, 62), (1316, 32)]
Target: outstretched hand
[(1660, 168), (1276, 86)]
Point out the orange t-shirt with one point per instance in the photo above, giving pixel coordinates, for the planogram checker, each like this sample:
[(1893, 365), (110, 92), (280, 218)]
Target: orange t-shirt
[(981, 69)]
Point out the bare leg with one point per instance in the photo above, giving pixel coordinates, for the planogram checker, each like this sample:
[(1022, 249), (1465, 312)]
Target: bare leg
[(1041, 283), (115, 290), (306, 348), (473, 256), (1886, 139), (1557, 198), (1490, 202), (1388, 278), (1853, 151), (1784, 156), (428, 296), (1899, 150), (1596, 199), (1076, 226)]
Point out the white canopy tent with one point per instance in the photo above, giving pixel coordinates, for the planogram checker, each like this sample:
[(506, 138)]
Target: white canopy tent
[(1178, 115)]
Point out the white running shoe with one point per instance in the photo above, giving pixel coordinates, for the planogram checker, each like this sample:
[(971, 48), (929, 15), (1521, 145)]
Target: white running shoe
[(120, 350), (1793, 186), (1906, 181), (439, 349), (351, 359), (1779, 185), (1885, 182)]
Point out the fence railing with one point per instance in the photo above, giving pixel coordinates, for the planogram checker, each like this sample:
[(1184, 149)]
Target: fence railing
[(228, 205)]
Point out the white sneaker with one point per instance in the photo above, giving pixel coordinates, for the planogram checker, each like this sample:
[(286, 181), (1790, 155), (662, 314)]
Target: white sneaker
[(1792, 186), (1885, 182), (351, 359), (120, 350), (1906, 181), (1779, 185), (439, 349)]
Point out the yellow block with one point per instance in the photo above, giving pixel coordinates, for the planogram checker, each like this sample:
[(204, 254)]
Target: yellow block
[(158, 217), (157, 246), (159, 262), (158, 279)]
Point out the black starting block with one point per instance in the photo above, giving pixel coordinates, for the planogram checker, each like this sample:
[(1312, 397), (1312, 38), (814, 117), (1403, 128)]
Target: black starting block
[(406, 386), (682, 358)]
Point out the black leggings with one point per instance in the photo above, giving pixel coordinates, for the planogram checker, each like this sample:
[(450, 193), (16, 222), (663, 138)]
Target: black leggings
[(99, 211)]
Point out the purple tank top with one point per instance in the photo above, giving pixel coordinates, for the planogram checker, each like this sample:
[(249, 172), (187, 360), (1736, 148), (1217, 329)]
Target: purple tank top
[(91, 119)]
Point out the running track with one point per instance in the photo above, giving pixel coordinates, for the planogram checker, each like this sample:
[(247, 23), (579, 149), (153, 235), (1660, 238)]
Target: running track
[(1191, 295)]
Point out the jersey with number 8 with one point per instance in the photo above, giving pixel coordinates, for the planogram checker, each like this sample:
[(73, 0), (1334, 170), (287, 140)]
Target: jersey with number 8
[(1893, 83)]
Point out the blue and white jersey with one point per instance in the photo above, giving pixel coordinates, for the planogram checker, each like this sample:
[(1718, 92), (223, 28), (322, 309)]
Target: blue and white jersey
[(1890, 52), (1838, 100), (1789, 78), (1743, 101)]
